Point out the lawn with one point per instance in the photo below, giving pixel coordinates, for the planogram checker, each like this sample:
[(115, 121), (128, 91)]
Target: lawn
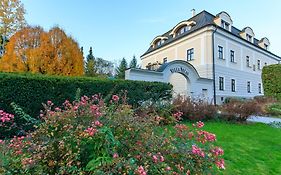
[(249, 148)]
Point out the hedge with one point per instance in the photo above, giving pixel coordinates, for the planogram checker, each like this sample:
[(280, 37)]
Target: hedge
[(29, 91), (271, 77)]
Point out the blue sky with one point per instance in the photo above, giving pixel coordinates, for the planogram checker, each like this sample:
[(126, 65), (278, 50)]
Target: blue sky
[(123, 28)]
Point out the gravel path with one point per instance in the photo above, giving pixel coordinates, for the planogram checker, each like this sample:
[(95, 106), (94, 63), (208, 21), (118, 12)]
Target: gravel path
[(265, 120)]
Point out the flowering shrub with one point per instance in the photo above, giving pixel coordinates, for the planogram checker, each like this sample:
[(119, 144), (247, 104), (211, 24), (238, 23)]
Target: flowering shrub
[(18, 124), (194, 109), (88, 137), (240, 111)]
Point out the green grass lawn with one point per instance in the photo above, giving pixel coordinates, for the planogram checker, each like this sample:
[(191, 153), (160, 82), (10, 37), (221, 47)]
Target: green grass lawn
[(249, 148)]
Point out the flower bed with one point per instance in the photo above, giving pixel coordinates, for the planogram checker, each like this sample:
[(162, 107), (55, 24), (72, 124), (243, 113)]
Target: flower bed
[(89, 137)]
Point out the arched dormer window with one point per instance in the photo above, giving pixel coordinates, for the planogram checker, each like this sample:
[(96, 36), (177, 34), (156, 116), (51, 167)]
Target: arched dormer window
[(182, 30), (248, 34), (182, 27), (158, 41), (264, 43), (224, 20)]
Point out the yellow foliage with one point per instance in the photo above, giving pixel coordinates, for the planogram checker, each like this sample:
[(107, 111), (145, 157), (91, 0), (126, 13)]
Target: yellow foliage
[(34, 50)]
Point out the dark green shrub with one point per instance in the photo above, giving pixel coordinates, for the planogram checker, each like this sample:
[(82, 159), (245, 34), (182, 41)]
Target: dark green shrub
[(271, 77), (29, 90)]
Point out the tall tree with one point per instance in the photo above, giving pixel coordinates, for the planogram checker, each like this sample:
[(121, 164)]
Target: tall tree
[(34, 50), (11, 17), (11, 20), (104, 67), (90, 64), (134, 62), (120, 71)]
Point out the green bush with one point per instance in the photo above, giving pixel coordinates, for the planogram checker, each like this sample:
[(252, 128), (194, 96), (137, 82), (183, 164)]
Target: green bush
[(274, 109), (29, 90), (91, 137), (271, 77)]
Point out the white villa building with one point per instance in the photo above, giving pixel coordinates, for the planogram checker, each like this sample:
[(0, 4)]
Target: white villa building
[(207, 57)]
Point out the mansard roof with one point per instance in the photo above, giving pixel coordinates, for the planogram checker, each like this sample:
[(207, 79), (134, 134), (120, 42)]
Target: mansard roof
[(202, 19)]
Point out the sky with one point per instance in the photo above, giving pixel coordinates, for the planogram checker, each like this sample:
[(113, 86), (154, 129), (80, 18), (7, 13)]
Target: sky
[(123, 28)]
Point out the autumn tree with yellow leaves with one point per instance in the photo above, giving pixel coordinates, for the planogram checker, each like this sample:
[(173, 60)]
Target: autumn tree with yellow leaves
[(33, 50)]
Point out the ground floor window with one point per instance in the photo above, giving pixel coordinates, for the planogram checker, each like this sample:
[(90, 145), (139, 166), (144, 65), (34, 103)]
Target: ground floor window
[(259, 88), (233, 85)]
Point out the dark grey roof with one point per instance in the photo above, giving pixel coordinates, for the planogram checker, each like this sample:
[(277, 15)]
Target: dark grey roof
[(202, 20)]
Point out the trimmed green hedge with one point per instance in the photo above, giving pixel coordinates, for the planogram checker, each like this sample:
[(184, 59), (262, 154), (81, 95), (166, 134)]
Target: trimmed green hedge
[(271, 77), (30, 91)]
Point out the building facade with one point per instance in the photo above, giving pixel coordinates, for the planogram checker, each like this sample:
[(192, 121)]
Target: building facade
[(225, 61)]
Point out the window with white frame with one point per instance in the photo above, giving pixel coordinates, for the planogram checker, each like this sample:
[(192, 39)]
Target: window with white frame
[(233, 85), (190, 54), (182, 30), (220, 52), (259, 64), (249, 37), (232, 56), (248, 61), (249, 87), (221, 83), (225, 25)]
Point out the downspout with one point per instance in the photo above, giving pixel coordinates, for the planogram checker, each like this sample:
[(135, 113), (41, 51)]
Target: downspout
[(214, 76)]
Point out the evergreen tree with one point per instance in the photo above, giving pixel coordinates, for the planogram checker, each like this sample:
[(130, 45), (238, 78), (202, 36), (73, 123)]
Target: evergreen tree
[(90, 64), (120, 71), (134, 62)]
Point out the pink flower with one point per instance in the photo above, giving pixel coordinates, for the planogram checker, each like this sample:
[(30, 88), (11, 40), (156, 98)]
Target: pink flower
[(5, 117), (1, 141), (197, 151), (154, 158), (98, 123), (200, 124), (91, 131), (57, 109), (115, 155), (168, 168), (178, 115), (75, 108), (115, 98), (217, 151), (162, 159), (220, 164), (141, 171), (50, 103), (210, 137)]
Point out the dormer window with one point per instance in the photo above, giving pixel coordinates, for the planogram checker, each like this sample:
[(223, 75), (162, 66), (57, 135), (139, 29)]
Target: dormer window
[(158, 41), (266, 46), (248, 34), (264, 43), (225, 25), (224, 20), (182, 27), (249, 37), (182, 30)]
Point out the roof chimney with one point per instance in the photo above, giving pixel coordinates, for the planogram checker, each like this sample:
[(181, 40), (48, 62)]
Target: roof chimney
[(193, 12)]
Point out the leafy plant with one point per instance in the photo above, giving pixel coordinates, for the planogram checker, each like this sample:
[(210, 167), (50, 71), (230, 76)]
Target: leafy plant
[(30, 90), (274, 109), (90, 137), (240, 111), (195, 109)]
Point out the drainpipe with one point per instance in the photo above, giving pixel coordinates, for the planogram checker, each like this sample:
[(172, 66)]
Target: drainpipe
[(214, 76)]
